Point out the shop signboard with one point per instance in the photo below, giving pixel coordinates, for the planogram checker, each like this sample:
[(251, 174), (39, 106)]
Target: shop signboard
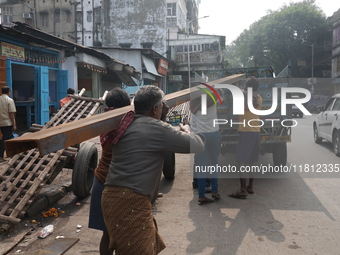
[(162, 67), (175, 77), (13, 52)]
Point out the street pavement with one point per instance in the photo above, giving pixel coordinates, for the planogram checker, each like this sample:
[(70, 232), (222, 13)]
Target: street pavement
[(291, 215)]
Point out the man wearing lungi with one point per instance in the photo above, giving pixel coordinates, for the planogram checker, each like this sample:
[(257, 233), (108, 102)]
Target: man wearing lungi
[(135, 172)]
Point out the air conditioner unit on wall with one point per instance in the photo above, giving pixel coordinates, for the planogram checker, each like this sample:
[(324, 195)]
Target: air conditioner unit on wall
[(27, 15)]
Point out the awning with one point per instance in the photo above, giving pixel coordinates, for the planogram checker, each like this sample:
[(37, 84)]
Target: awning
[(149, 76), (126, 79), (125, 73), (150, 66)]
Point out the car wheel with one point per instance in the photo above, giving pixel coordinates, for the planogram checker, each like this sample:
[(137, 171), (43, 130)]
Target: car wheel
[(317, 139), (336, 143)]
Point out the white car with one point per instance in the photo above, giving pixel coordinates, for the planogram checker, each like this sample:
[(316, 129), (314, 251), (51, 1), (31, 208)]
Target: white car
[(327, 123)]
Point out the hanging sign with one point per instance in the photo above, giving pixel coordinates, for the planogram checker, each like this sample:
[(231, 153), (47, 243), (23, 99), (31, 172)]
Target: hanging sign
[(162, 67)]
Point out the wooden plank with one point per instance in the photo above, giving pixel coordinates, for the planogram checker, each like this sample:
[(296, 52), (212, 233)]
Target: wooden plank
[(59, 246), (6, 165), (61, 111), (87, 108), (31, 164), (66, 135), (11, 242), (16, 170), (35, 186), (73, 109), (22, 186), (9, 220)]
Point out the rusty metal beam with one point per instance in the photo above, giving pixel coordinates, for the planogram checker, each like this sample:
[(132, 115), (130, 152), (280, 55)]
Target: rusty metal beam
[(65, 135)]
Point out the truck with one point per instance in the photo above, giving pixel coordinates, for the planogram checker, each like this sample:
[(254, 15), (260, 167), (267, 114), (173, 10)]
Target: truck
[(276, 128)]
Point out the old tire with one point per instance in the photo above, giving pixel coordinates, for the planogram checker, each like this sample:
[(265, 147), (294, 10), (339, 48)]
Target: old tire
[(280, 154), (169, 165), (336, 143), (83, 171), (317, 139)]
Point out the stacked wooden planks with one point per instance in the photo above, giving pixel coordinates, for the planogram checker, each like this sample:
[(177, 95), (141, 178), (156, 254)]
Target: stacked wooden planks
[(182, 111), (24, 175)]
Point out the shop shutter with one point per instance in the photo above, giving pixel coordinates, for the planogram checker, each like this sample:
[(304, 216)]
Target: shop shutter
[(62, 84), (42, 106)]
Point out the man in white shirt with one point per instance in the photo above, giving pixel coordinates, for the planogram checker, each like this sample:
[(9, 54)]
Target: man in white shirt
[(203, 124), (7, 119)]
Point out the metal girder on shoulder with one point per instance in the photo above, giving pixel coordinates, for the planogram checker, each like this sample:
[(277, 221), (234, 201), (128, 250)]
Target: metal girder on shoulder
[(65, 135)]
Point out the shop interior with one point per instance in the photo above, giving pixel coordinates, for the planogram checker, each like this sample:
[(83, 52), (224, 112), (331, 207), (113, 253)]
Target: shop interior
[(85, 81), (26, 91)]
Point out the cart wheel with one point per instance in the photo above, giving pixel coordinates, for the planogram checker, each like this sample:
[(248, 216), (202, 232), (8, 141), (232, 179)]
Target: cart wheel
[(169, 166), (83, 171)]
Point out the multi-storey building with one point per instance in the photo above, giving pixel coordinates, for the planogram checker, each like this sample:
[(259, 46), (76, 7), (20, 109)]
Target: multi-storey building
[(54, 17), (194, 55), (166, 28)]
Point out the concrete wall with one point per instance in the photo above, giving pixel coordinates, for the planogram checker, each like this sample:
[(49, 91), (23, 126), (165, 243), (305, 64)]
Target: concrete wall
[(178, 22), (131, 57), (135, 22), (70, 66)]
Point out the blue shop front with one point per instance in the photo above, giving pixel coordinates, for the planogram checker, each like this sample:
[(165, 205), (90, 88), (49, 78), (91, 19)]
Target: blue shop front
[(35, 78)]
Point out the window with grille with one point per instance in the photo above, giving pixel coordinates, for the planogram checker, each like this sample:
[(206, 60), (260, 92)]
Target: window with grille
[(179, 48), (44, 19), (79, 17), (89, 16), (57, 16), (337, 34), (7, 17), (97, 15), (171, 9), (147, 45), (68, 16)]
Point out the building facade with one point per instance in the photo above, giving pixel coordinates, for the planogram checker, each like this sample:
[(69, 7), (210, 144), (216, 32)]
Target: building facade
[(195, 57), (53, 17), (51, 65), (135, 24), (130, 24), (336, 45)]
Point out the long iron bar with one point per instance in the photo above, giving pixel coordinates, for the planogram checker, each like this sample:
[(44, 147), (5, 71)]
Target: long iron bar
[(65, 135)]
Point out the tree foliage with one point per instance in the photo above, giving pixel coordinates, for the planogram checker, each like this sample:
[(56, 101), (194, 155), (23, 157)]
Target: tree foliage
[(281, 36), (231, 58)]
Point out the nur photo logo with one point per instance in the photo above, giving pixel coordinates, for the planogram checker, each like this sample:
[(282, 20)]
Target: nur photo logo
[(238, 99), (204, 97)]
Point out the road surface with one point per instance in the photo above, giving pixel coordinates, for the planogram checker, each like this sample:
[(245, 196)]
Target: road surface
[(290, 213)]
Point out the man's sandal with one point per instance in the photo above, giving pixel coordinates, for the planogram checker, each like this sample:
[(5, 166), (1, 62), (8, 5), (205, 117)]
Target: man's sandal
[(205, 201), (215, 195), (249, 190), (238, 195)]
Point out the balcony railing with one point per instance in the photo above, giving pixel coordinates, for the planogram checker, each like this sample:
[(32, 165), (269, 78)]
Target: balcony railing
[(206, 57)]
